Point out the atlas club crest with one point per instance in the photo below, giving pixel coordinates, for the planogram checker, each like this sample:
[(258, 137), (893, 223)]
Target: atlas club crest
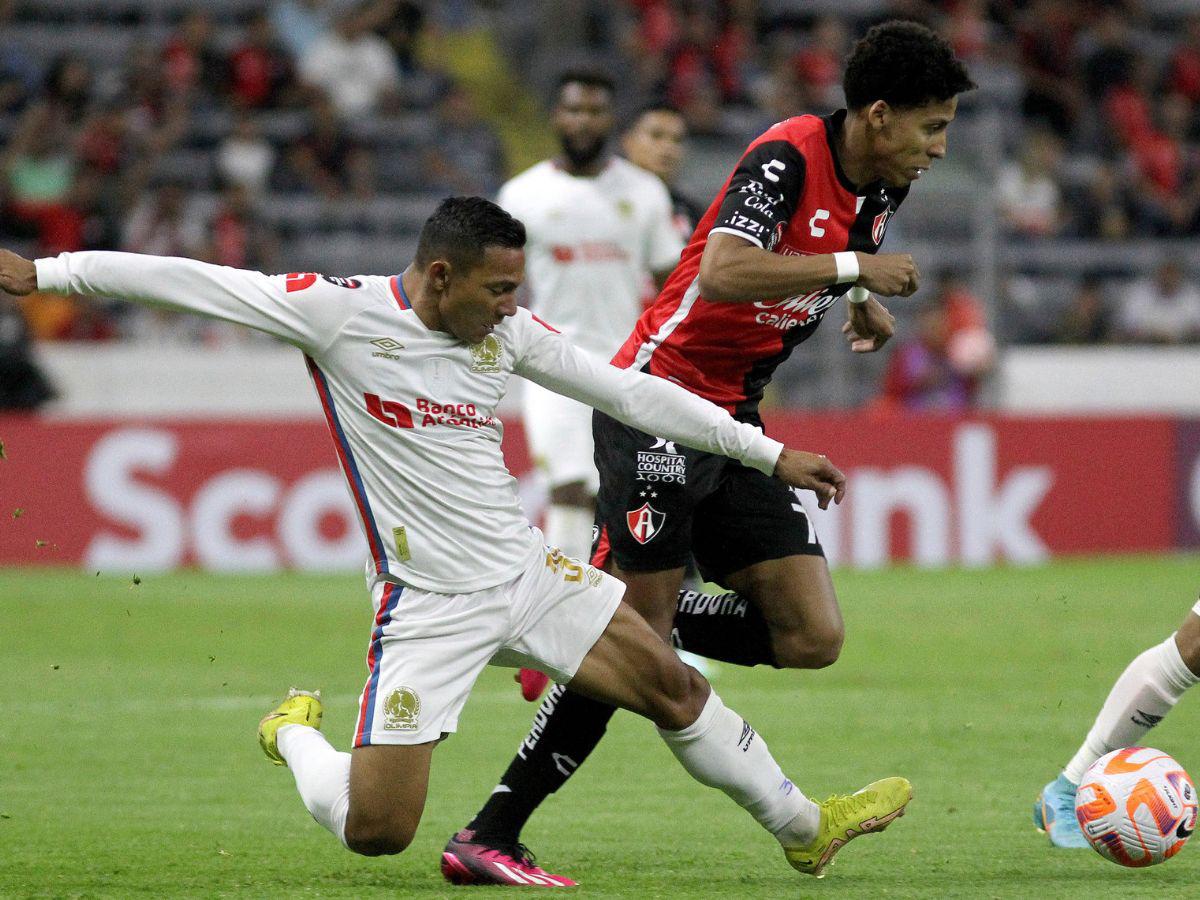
[(644, 522), (880, 226)]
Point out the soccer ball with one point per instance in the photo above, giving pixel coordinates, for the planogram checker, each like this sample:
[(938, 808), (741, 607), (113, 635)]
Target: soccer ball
[(1136, 806)]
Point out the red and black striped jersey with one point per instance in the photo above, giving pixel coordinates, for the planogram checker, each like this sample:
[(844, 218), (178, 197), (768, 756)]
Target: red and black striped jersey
[(788, 194)]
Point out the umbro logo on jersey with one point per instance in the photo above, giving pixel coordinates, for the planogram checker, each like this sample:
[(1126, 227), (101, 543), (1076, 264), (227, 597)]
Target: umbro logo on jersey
[(387, 347)]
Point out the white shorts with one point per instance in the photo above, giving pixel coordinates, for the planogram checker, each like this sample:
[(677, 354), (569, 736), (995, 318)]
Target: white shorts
[(559, 431), (427, 649)]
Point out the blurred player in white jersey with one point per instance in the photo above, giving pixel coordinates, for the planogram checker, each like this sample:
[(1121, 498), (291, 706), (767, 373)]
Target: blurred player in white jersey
[(597, 225), (409, 369), (1147, 690)]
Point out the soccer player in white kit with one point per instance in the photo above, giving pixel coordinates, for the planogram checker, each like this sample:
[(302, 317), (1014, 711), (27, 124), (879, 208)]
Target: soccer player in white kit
[(409, 369), (598, 226)]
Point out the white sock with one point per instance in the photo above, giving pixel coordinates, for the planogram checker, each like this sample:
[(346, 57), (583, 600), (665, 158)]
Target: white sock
[(569, 528), (322, 775), (721, 750), (1146, 691)]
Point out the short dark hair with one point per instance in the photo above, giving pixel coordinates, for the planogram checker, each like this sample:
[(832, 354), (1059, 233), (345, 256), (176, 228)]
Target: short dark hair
[(654, 106), (904, 64), (586, 78), (462, 228)]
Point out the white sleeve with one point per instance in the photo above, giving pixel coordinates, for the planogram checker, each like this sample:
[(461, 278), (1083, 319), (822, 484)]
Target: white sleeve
[(648, 403), (295, 310), (663, 244)]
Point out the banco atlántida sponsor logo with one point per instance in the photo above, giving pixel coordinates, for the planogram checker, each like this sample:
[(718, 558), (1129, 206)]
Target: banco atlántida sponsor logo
[(427, 413)]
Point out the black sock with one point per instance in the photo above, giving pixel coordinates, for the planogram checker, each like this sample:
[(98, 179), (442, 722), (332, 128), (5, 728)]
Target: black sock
[(725, 627), (565, 730)]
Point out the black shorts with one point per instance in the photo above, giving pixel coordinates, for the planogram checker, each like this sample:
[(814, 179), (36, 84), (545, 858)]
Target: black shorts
[(661, 504)]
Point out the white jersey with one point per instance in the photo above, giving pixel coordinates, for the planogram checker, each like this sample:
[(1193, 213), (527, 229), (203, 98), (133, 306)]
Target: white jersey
[(412, 411), (591, 241)]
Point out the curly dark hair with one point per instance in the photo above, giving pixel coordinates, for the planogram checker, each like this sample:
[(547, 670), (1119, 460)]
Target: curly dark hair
[(461, 228), (904, 64)]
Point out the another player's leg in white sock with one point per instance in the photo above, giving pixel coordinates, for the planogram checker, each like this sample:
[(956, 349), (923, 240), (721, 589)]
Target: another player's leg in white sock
[(322, 775), (1147, 690), (721, 750), (569, 528)]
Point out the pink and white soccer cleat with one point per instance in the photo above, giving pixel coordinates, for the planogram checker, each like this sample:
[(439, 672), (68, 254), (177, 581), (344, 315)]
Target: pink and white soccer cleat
[(532, 683), (465, 862)]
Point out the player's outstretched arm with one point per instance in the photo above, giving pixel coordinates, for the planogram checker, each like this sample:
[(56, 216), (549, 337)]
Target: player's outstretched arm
[(658, 407), (243, 297)]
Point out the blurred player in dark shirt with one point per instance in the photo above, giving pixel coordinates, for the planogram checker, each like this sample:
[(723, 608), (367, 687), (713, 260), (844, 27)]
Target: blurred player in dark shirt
[(656, 141)]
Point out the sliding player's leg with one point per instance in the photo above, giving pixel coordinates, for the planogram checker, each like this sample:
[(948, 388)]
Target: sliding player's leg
[(630, 667), (425, 653), (371, 800), (1142, 696), (628, 664)]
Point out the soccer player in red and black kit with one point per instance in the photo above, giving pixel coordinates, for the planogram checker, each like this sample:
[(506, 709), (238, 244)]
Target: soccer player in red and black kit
[(795, 227)]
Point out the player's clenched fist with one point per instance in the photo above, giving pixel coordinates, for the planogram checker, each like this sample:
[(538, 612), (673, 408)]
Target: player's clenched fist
[(18, 275), (889, 274), (812, 472)]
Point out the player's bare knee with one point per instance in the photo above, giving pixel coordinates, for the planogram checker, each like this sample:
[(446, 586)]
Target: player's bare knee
[(377, 837), (677, 696), (810, 649)]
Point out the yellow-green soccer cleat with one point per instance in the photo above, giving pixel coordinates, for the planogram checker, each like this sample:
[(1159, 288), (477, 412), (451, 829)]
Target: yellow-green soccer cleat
[(297, 708), (843, 818)]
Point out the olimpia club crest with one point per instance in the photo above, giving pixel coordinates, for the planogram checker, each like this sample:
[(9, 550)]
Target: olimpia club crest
[(486, 355), (401, 710)]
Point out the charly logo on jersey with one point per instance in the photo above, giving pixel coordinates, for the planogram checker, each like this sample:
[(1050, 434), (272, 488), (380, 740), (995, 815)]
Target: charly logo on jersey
[(663, 463), (402, 710), (625, 208), (880, 225), (387, 347), (645, 522), (814, 228), (486, 355)]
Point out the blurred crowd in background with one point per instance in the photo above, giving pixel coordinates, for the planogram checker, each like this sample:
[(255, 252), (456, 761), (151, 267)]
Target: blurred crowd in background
[(298, 133)]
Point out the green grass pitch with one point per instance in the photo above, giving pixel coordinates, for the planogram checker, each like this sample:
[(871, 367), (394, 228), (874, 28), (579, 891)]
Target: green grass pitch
[(129, 767)]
